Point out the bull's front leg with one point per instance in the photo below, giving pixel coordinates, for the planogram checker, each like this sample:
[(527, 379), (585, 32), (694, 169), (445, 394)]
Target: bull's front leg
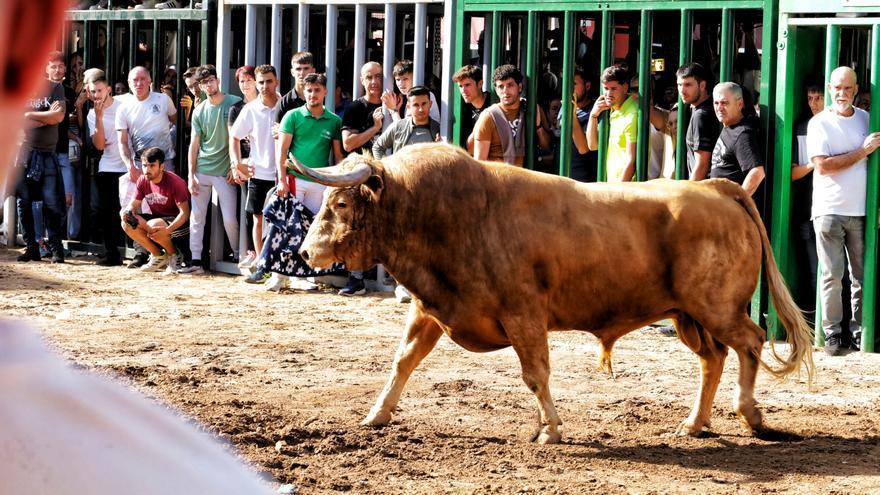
[(530, 343), (422, 334)]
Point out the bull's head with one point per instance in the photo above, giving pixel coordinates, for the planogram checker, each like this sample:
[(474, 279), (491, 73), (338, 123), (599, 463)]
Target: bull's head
[(344, 225)]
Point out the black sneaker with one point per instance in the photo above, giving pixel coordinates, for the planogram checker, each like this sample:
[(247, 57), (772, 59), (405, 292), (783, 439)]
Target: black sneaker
[(834, 346), (856, 343), (139, 260), (354, 287), (30, 254), (108, 261), (58, 257), (667, 331)]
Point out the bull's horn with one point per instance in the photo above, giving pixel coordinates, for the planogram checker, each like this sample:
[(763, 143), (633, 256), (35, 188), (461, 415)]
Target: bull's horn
[(333, 176)]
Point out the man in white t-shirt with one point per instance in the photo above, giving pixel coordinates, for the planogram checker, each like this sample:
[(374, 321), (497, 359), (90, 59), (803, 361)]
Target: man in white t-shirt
[(838, 144), (255, 122), (102, 121), (145, 119)]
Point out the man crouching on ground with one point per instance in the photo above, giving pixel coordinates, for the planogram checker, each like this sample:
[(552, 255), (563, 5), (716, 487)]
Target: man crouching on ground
[(168, 198)]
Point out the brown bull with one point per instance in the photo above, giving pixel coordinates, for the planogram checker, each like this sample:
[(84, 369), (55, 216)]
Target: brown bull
[(497, 256)]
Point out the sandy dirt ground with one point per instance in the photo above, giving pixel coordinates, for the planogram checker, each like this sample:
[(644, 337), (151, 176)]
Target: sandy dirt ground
[(303, 369)]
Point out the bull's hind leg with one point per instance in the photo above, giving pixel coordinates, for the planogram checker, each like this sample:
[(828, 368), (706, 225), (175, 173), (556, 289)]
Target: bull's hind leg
[(747, 343), (422, 334), (712, 355), (530, 343)]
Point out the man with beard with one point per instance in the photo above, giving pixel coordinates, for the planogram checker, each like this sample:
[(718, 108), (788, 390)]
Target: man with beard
[(470, 84), (583, 161), (209, 168), (308, 134), (499, 134), (703, 127)]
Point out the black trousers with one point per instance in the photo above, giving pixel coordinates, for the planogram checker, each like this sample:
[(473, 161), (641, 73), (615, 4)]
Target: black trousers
[(108, 211)]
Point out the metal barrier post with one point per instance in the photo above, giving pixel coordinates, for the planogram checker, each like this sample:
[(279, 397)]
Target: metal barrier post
[(685, 42), (726, 45), (458, 60), (419, 42), (360, 37), (250, 36), (275, 46), (389, 41), (132, 44), (531, 74), (157, 26), (330, 55), (832, 55), (644, 121), (605, 59), (869, 286), (302, 31), (786, 92), (565, 140)]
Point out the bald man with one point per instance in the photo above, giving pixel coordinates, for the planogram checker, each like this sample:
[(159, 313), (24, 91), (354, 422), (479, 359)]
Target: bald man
[(146, 118), (68, 431), (838, 144)]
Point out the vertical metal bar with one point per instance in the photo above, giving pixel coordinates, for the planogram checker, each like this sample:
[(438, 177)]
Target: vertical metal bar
[(726, 44), (770, 20), (784, 113), (203, 52), (224, 43), (486, 56), (180, 59), (157, 26), (390, 41), (531, 80), (302, 32), (250, 35), (565, 147), (685, 42), (643, 143), (453, 29), (108, 52), (330, 55), (497, 39), (832, 54), (605, 59), (261, 48), (419, 41), (869, 292), (456, 103), (132, 43), (276, 47), (86, 39), (360, 39)]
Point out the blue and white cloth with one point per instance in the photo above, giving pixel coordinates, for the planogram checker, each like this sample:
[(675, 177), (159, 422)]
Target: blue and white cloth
[(289, 221)]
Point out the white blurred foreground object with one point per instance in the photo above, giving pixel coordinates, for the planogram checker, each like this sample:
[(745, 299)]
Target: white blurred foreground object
[(66, 431)]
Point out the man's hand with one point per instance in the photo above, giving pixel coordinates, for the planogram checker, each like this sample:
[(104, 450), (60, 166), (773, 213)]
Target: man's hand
[(56, 106), (82, 98), (99, 110), (378, 117), (275, 128), (392, 101), (600, 106), (186, 102), (134, 174), (872, 141), (193, 185), (230, 176), (283, 189)]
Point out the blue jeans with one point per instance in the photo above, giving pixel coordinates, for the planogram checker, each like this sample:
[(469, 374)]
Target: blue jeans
[(840, 239), (50, 190), (72, 187)]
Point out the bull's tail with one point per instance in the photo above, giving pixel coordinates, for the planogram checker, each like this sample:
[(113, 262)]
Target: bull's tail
[(798, 332)]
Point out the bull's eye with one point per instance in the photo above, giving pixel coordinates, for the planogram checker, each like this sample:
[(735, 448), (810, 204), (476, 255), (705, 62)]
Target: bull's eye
[(341, 205)]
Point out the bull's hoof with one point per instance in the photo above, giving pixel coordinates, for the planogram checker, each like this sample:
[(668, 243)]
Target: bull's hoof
[(377, 418), (544, 437), (754, 422), (690, 428)]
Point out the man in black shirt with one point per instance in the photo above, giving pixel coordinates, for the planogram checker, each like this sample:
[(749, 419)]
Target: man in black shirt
[(737, 154), (56, 71), (301, 65), (41, 180), (703, 128), (470, 84)]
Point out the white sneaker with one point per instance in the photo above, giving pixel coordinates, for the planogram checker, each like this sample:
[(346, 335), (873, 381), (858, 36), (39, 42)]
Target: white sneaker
[(155, 263), (191, 270), (249, 259), (277, 282), (402, 294), (302, 284), (146, 4), (172, 4), (174, 264)]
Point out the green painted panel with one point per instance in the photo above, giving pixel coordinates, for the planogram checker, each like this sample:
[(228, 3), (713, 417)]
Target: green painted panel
[(686, 29), (646, 30), (869, 306), (567, 90), (530, 70), (515, 5), (605, 58)]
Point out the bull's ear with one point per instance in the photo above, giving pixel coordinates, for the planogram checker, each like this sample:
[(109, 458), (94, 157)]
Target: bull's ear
[(374, 187)]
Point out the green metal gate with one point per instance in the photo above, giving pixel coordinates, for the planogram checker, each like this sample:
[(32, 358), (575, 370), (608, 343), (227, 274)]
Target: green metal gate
[(816, 37)]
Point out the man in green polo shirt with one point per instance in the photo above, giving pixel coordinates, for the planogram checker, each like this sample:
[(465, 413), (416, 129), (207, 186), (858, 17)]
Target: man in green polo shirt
[(209, 166), (623, 120), (308, 133)]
